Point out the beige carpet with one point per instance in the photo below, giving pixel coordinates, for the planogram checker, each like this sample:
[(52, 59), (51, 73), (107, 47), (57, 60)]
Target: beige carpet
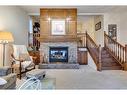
[(87, 78)]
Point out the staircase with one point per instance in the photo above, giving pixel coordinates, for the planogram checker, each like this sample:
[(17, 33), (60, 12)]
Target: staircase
[(112, 56), (108, 62)]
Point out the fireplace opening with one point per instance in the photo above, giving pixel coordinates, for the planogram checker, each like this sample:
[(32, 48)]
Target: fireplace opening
[(58, 54)]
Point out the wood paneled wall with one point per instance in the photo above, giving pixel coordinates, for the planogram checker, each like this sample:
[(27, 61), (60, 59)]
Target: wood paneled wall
[(45, 24)]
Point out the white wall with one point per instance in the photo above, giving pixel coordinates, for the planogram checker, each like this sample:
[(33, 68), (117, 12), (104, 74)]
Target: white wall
[(117, 16), (15, 20), (91, 62), (99, 34), (87, 24)]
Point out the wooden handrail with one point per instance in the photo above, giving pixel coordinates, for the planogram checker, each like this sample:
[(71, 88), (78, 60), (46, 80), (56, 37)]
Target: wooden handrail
[(117, 50), (91, 40), (113, 39), (94, 50)]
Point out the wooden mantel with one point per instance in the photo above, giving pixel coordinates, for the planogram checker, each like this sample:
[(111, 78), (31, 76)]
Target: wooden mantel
[(68, 38)]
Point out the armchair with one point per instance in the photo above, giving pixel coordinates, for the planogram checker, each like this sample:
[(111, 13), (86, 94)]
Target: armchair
[(5, 73), (22, 61)]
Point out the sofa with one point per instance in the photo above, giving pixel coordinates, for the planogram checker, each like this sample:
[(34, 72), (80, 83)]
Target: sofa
[(5, 73)]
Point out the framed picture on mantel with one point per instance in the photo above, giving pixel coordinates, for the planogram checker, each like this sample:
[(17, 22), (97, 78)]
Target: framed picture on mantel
[(58, 27)]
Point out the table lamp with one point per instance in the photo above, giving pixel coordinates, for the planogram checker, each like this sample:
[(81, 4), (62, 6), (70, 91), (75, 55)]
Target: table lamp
[(5, 38)]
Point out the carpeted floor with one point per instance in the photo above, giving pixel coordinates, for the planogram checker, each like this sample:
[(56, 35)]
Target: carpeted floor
[(87, 78)]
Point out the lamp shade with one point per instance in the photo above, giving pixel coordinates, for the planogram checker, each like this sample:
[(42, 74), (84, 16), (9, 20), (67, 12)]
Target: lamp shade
[(6, 37)]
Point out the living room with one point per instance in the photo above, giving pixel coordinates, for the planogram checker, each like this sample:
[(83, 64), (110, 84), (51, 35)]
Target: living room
[(64, 52)]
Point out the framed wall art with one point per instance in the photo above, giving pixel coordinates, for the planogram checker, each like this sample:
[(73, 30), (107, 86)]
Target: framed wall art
[(58, 27), (112, 31), (98, 26)]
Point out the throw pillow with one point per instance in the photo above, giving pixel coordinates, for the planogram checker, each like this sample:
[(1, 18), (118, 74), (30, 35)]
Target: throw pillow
[(2, 81), (25, 57)]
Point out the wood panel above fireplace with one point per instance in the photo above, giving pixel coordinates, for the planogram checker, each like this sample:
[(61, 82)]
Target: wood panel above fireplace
[(48, 15)]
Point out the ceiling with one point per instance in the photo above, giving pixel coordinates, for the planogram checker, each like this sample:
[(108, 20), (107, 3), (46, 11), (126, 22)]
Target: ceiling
[(35, 10)]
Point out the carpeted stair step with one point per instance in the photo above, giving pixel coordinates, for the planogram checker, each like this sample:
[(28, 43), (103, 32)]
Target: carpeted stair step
[(111, 68), (108, 62)]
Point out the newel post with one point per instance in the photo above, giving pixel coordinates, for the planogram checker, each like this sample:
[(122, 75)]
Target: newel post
[(99, 62), (104, 39), (125, 64), (86, 39)]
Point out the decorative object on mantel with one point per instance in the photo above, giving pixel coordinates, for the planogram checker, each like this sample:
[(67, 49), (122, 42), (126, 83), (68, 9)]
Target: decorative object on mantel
[(44, 58), (98, 26), (5, 38)]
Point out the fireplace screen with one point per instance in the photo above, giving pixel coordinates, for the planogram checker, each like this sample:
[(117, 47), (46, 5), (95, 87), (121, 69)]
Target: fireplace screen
[(58, 54)]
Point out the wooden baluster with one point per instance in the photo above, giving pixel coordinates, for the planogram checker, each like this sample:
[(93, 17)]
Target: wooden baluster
[(112, 46), (33, 40), (104, 40), (86, 40), (107, 41), (123, 56), (118, 51), (115, 49), (125, 64), (99, 62)]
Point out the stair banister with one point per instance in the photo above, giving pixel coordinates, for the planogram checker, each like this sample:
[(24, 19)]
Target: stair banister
[(99, 62), (117, 50), (125, 64), (94, 50)]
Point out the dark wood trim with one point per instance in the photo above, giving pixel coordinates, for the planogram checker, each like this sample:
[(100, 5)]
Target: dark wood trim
[(94, 51)]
